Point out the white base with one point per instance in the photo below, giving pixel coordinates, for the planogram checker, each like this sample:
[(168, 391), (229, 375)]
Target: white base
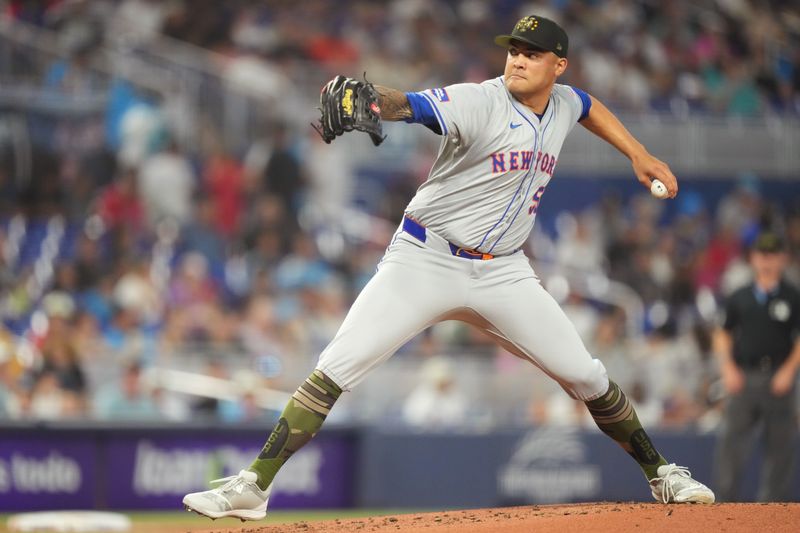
[(69, 521)]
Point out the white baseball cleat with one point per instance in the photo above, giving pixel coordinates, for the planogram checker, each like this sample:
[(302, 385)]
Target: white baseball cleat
[(674, 484), (239, 497)]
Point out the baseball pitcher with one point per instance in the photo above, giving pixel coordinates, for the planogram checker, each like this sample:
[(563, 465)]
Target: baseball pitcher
[(457, 252)]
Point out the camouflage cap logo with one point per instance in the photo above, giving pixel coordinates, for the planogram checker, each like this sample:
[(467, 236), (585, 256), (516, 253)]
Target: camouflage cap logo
[(527, 24)]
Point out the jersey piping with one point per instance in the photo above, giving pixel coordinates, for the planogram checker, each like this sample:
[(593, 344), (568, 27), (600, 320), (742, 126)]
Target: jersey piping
[(521, 183), (532, 173), (438, 115)]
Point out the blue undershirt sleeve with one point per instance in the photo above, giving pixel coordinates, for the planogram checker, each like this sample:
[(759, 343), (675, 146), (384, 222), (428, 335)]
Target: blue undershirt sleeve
[(585, 100), (423, 112)]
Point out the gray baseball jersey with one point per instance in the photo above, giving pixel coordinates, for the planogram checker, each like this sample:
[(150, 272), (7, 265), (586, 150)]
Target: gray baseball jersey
[(495, 161)]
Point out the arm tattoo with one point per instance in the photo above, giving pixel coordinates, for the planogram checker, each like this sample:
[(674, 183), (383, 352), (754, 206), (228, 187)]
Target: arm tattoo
[(394, 104)]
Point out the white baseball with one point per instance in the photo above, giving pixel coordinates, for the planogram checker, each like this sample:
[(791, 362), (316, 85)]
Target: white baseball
[(658, 189)]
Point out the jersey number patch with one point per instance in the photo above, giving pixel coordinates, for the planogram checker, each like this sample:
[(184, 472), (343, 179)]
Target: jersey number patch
[(535, 199)]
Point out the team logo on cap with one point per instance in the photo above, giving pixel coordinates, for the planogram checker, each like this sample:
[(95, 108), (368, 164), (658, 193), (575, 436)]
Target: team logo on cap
[(527, 24)]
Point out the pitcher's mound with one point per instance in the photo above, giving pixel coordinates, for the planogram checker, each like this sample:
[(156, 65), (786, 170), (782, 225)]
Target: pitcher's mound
[(574, 518)]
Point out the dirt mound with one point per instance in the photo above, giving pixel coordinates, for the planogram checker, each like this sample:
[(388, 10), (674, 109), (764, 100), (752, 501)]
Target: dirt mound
[(575, 518)]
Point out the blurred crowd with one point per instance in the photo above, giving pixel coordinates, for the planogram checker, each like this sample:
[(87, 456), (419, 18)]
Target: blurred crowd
[(130, 254), (738, 57)]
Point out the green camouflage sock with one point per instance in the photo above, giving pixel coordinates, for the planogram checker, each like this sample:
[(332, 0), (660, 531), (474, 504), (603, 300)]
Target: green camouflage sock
[(299, 422), (616, 417)]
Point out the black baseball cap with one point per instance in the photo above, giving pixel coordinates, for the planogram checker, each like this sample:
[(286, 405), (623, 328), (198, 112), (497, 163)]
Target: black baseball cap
[(769, 242), (539, 32)]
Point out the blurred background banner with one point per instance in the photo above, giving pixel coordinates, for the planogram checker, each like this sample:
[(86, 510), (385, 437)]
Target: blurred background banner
[(147, 468), (37, 473), (541, 466), (177, 245), (153, 468)]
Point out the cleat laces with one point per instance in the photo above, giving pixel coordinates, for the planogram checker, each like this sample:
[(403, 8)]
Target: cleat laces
[(234, 483), (667, 491)]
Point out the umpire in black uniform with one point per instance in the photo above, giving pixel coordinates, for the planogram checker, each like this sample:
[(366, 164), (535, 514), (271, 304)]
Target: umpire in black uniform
[(758, 348)]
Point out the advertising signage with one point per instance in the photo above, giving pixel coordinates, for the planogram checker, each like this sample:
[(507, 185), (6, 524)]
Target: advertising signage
[(154, 469)]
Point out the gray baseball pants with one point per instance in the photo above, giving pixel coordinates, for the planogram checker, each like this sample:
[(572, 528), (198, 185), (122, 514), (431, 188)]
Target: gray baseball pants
[(755, 409)]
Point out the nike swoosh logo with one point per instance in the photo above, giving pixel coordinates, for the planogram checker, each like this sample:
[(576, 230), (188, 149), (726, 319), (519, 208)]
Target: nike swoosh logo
[(515, 126)]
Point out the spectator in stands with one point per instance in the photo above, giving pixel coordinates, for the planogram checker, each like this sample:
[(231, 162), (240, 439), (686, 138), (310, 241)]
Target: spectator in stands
[(581, 313), (330, 182), (65, 279), (208, 407), (119, 204), (259, 331), (560, 410), (128, 399), (579, 245), (166, 184), (46, 398), (320, 311), (43, 194), (609, 343), (61, 360), (649, 409), (740, 210), (127, 338), (203, 234), (174, 334), (203, 23), (723, 247), (139, 21), (89, 261), (269, 215), (85, 337), (263, 256), (436, 403), (244, 408), (10, 373), (282, 175), (136, 125), (56, 379), (136, 291), (97, 299), (221, 332), (667, 365), (223, 181), (195, 292), (303, 266), (251, 72), (75, 75)]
